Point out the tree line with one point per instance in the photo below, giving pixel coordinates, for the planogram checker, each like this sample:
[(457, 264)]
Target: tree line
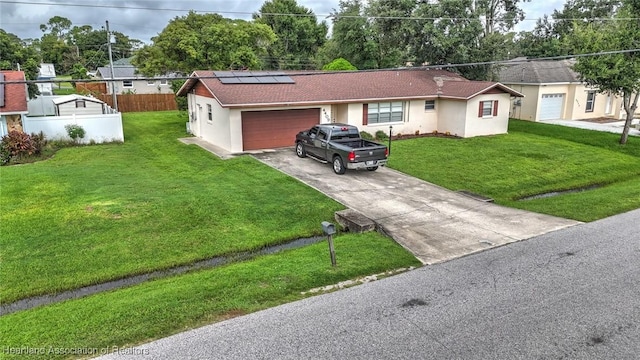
[(374, 34), (285, 35)]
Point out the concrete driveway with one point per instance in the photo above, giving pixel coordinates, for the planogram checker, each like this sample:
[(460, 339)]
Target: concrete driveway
[(433, 223)]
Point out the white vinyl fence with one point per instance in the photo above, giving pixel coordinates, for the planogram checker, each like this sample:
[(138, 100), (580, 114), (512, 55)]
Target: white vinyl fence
[(99, 128)]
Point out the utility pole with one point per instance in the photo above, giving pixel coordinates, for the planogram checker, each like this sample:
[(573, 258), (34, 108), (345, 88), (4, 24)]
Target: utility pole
[(114, 97)]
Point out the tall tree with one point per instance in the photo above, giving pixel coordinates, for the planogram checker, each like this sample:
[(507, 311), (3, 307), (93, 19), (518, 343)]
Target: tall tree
[(612, 73), (448, 35), (351, 36), (299, 35), (464, 31), (53, 45), (57, 26), (542, 41), (584, 12), (547, 38), (17, 54), (499, 15), (391, 30), (205, 41)]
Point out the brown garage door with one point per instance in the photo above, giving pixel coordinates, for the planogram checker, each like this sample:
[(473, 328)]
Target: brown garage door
[(276, 128)]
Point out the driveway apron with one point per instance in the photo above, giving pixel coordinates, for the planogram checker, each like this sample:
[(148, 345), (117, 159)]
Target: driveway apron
[(433, 223)]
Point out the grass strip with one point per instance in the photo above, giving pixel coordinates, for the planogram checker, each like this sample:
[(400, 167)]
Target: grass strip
[(160, 308), (532, 159), (97, 213)]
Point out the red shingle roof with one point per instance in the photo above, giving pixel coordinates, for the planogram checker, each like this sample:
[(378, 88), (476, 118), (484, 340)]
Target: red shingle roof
[(15, 95), (356, 86)]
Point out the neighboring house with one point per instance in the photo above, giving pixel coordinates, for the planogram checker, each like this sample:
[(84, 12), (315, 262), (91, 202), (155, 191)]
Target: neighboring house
[(46, 72), (100, 122), (13, 101), (553, 91), (240, 111), (128, 80), (79, 105)]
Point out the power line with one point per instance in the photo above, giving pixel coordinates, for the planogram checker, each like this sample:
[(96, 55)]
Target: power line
[(313, 73), (326, 16)]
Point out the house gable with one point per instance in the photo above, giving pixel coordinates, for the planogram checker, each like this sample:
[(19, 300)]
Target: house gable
[(201, 90), (14, 93), (539, 72)]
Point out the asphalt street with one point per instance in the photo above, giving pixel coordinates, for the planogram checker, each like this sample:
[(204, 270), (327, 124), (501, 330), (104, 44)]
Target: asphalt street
[(569, 294)]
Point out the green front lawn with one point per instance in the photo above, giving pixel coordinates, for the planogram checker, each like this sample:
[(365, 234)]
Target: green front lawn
[(97, 213), (167, 306), (532, 159)]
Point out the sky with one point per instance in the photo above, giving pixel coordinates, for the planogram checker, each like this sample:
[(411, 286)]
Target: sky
[(23, 17)]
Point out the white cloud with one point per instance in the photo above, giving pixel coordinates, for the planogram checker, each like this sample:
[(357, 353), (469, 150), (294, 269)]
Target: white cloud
[(152, 16)]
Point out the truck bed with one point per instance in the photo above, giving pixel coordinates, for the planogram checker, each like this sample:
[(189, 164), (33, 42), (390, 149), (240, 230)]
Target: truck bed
[(357, 143)]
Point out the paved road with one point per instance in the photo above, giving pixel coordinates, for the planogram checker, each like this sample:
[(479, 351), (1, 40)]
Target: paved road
[(569, 294), (435, 224)]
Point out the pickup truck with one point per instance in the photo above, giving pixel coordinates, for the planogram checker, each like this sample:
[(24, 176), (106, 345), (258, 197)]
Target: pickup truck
[(341, 145)]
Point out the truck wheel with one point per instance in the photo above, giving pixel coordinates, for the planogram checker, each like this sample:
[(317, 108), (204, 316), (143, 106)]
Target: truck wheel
[(300, 151), (372, 168), (338, 165)]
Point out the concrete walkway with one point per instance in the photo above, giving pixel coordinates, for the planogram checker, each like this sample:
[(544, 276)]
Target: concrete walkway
[(612, 127), (435, 224)]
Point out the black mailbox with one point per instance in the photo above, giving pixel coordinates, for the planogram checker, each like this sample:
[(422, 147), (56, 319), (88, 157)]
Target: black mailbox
[(328, 228)]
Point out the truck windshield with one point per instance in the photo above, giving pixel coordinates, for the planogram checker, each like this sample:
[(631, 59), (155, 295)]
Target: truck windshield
[(345, 133)]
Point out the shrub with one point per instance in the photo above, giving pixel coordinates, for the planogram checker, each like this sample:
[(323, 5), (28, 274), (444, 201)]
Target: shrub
[(339, 64), (15, 145), (365, 135), (381, 135), (75, 132), (39, 142)]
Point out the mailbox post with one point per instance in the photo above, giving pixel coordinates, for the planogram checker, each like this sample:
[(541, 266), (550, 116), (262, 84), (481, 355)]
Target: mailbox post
[(329, 229), (390, 132)]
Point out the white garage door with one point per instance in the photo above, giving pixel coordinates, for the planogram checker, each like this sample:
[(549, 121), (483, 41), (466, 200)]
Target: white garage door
[(551, 107)]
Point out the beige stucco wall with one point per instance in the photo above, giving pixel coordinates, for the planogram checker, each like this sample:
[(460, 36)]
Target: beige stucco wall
[(490, 125), (452, 116), (141, 87), (218, 130), (528, 105), (600, 105), (575, 101), (416, 118)]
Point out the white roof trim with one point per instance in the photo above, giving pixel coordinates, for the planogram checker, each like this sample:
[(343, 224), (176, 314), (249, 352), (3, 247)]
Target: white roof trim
[(74, 97)]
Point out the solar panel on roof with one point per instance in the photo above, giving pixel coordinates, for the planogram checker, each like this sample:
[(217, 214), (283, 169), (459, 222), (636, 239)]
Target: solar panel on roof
[(253, 77)]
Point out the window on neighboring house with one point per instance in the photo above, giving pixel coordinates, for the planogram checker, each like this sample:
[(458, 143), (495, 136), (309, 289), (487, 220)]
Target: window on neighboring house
[(81, 104), (127, 83), (379, 113), (591, 99), (151, 82), (163, 81), (430, 105), (209, 113), (488, 108)]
